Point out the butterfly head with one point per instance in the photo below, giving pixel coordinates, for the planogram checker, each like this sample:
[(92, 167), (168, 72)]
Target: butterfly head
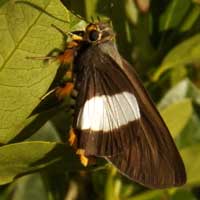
[(99, 32), (95, 33)]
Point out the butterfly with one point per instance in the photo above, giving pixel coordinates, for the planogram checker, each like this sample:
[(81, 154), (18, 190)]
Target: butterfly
[(114, 117)]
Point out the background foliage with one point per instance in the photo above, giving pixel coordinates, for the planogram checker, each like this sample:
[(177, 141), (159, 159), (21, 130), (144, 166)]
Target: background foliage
[(160, 38)]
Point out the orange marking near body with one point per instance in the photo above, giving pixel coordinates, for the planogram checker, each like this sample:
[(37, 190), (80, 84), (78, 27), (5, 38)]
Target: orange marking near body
[(62, 92), (72, 138), (67, 57), (72, 44), (84, 160)]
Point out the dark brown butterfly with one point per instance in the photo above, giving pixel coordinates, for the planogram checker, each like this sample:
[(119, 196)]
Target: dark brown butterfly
[(114, 117)]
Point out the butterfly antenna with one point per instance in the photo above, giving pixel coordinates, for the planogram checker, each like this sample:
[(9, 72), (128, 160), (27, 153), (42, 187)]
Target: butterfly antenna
[(79, 16), (41, 57), (60, 30), (98, 18)]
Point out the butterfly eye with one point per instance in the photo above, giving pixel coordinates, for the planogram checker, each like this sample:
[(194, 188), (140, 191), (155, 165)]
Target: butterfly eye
[(93, 35)]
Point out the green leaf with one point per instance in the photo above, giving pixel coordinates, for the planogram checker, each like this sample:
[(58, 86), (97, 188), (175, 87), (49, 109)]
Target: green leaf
[(132, 11), (178, 74), (181, 107), (183, 194), (185, 53), (191, 157), (17, 159), (191, 133), (35, 122), (149, 195), (26, 31), (174, 13), (184, 89), (110, 190), (29, 187), (193, 15), (180, 111), (46, 133)]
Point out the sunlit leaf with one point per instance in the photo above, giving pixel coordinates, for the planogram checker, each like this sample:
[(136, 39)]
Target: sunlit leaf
[(191, 157), (177, 115), (181, 107), (185, 53), (26, 31), (184, 89)]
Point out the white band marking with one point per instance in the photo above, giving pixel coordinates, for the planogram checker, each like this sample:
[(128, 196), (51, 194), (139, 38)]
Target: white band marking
[(104, 113)]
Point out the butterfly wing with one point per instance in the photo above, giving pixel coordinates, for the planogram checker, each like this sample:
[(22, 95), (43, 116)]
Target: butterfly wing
[(115, 118), (153, 160), (107, 111)]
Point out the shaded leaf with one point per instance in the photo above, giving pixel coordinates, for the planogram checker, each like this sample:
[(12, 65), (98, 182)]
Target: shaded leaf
[(34, 123), (174, 13), (149, 195), (193, 15), (29, 187), (183, 194), (46, 133), (17, 159)]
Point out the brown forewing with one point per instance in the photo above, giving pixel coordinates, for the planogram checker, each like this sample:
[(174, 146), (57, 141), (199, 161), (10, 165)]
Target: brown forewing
[(98, 76)]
